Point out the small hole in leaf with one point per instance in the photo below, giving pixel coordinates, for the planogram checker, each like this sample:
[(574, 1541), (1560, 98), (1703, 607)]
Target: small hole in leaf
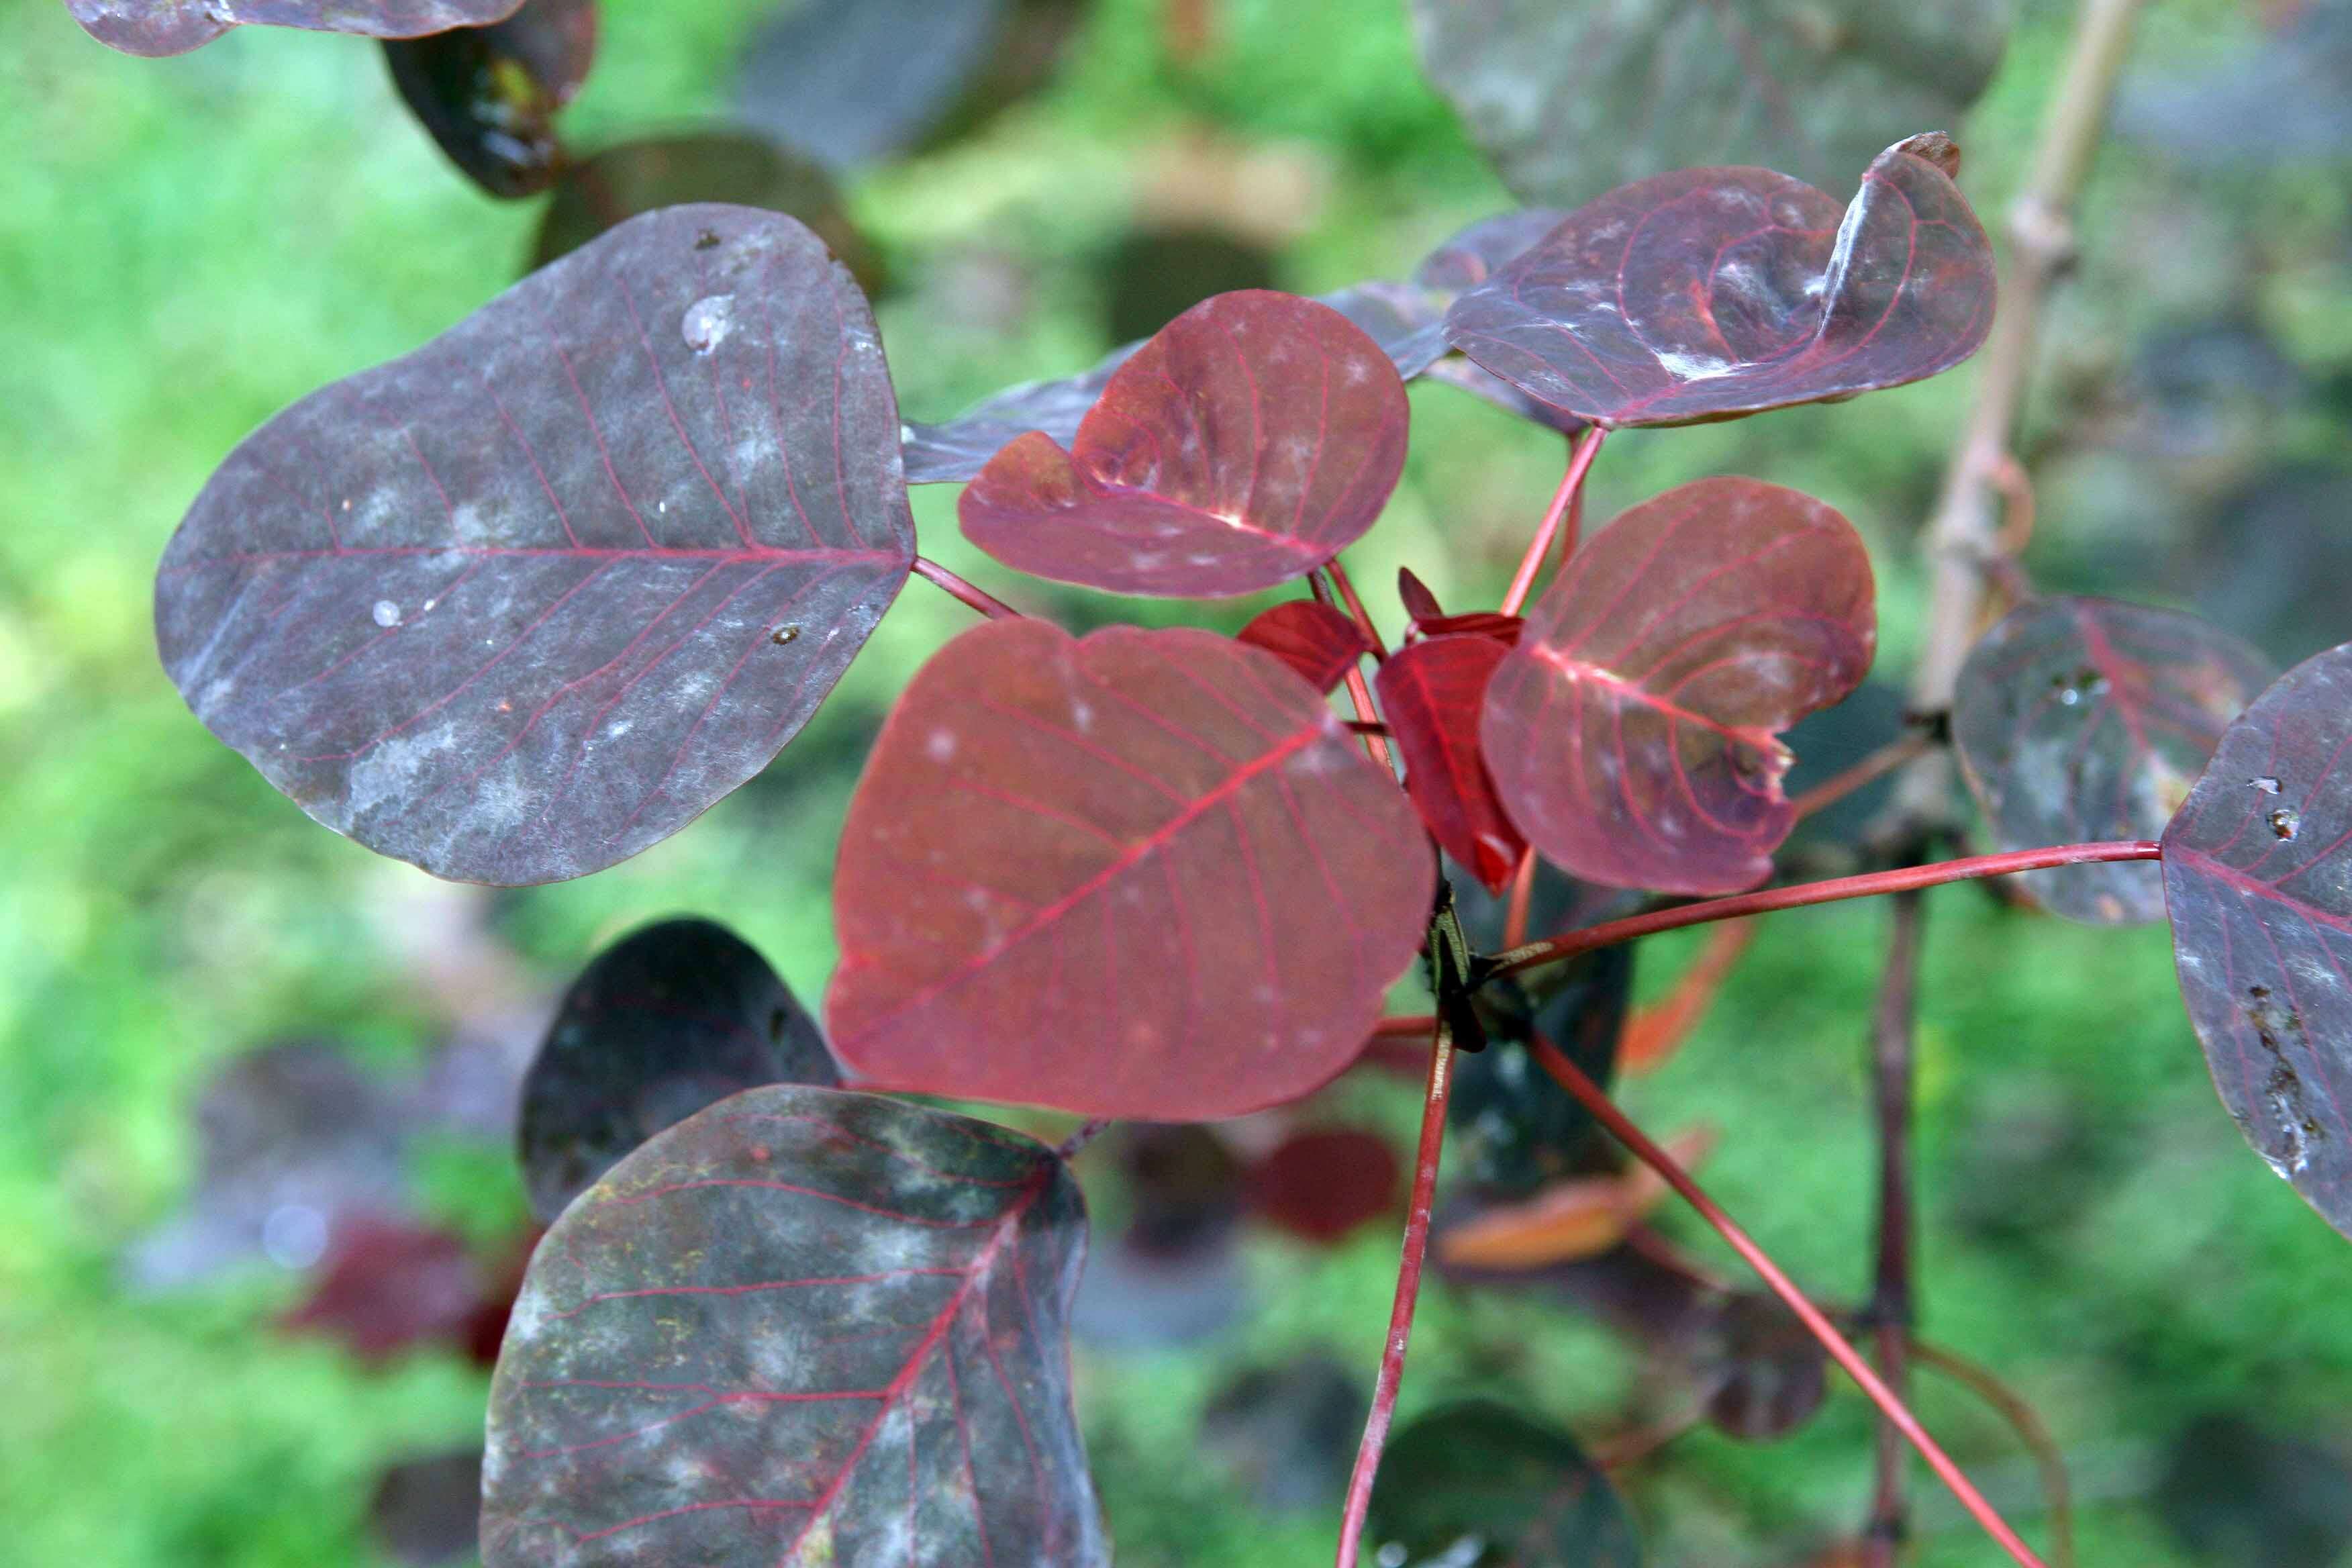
[(783, 635), (2285, 821), (707, 240)]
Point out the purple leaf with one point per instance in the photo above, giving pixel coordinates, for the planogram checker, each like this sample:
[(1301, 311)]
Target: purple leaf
[(1323, 1182), (489, 95), (1633, 734), (1571, 99), (1147, 874), (1712, 293), (389, 1287), (1433, 693), (1476, 253), (1315, 640), (617, 183), (675, 1017), (2085, 719), (1249, 442), (174, 26), (1769, 1375), (805, 1325), (2256, 879), (537, 595)]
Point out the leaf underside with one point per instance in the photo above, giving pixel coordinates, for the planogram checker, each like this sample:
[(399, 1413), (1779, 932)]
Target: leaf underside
[(1631, 732), (674, 1016), (1711, 293), (1248, 442), (2259, 886), (2081, 719), (1147, 874), (805, 1327), (487, 96), (534, 598), (157, 28)]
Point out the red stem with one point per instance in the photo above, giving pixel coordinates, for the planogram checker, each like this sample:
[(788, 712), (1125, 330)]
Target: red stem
[(980, 599), (1359, 691), (1572, 1079), (1408, 1292), (1356, 606), (1579, 460), (1523, 890), (1609, 933)]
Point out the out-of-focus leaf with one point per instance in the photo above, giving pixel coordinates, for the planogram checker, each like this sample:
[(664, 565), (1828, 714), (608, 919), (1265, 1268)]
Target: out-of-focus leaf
[(1478, 1485), (1633, 733), (2239, 1495), (1147, 874), (176, 27), (600, 193), (535, 596), (388, 1287), (1571, 99), (2258, 882), (675, 1017), (1829, 741), (1250, 441), (1433, 694), (487, 96), (1172, 1274), (1153, 275), (804, 1325), (1313, 639), (1711, 293), (2288, 101), (1567, 1220), (295, 1143), (1515, 1128), (1322, 1183), (1770, 1375), (424, 1511), (2085, 719), (1286, 1435)]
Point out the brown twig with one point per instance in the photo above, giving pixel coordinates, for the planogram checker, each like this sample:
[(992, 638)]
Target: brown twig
[(1890, 1312)]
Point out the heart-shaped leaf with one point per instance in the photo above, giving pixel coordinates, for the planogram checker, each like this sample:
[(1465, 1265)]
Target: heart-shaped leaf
[(1249, 442), (1146, 874), (1632, 734), (596, 193), (489, 95), (803, 1326), (2085, 719), (1569, 100), (157, 28), (2259, 887), (1515, 1493), (1711, 293), (535, 596), (1433, 693), (1322, 1183), (1313, 639), (673, 1017)]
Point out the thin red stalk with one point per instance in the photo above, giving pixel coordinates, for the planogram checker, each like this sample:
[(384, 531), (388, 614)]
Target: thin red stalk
[(1878, 764), (1408, 1292), (1579, 460), (1609, 933), (1092, 1129), (1340, 580), (1360, 690), (1408, 1027), (1573, 1079), (1523, 890), (979, 598)]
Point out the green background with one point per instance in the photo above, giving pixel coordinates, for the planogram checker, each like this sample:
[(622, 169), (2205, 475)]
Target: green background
[(187, 245)]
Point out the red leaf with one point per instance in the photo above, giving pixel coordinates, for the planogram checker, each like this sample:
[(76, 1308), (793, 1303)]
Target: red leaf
[(1433, 693), (802, 1326), (1632, 735), (388, 1287), (1419, 602), (1313, 639), (1321, 1184), (1250, 441), (1490, 624), (1710, 293), (1146, 874), (2259, 886), (535, 596), (174, 26), (2084, 719)]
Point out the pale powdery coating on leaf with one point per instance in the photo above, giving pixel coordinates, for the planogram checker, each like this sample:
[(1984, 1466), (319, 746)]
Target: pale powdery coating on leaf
[(1711, 293), (1146, 874), (2258, 881), (537, 595), (805, 1329), (1633, 734), (176, 27), (2085, 719)]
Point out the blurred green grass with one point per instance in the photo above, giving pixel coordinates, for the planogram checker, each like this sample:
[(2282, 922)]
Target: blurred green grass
[(187, 245)]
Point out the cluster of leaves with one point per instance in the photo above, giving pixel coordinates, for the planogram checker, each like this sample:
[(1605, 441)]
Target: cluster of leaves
[(530, 599)]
